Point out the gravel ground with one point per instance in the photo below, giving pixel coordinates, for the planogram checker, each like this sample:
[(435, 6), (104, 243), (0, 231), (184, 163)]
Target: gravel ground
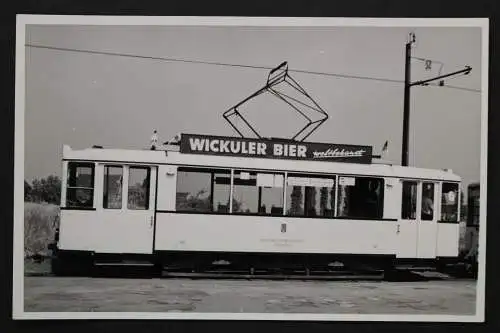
[(184, 295)]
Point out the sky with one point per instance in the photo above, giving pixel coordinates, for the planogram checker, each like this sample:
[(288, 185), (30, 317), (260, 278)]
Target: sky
[(83, 99)]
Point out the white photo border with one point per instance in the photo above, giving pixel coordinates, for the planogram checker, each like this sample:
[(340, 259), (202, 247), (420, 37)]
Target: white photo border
[(18, 260)]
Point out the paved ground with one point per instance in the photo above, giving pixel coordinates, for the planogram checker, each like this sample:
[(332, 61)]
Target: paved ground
[(149, 295)]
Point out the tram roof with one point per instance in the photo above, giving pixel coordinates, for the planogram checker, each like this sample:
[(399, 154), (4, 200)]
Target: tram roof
[(171, 155)]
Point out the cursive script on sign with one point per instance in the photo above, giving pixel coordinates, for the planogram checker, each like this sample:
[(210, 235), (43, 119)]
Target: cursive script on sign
[(338, 153)]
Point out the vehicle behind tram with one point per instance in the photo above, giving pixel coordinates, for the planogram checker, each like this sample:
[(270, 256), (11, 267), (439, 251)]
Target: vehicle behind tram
[(252, 205), (471, 239)]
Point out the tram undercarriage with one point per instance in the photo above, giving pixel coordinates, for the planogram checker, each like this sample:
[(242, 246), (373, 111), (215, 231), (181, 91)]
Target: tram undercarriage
[(240, 265)]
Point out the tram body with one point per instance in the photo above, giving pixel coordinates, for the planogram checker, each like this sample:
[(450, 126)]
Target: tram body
[(169, 208)]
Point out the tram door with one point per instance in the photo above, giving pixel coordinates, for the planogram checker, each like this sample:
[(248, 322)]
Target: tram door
[(408, 224), (418, 224), (427, 225), (126, 208)]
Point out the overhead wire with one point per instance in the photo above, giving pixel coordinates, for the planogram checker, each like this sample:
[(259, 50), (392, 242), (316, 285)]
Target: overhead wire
[(169, 59)]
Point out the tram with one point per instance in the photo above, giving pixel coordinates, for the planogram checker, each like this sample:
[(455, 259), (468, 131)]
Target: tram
[(253, 204)]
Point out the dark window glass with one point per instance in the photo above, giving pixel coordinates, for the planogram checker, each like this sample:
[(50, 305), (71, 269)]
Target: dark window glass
[(427, 212), (221, 191), (138, 188), (361, 197), (310, 196), (203, 190), (112, 189), (449, 202), (258, 193), (409, 201)]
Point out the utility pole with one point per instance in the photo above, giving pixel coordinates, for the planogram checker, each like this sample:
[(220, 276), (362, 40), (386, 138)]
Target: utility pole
[(406, 111), (407, 85)]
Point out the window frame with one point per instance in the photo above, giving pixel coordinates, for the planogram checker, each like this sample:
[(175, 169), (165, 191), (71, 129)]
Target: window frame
[(148, 191), (74, 165), (381, 205), (303, 188), (255, 173), (104, 186), (232, 172), (457, 205), (436, 201), (413, 182), (211, 172)]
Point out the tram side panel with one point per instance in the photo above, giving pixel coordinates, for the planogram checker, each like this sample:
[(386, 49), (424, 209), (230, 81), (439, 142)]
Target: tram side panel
[(448, 240), (230, 233), (195, 232), (78, 216), (77, 230), (167, 184)]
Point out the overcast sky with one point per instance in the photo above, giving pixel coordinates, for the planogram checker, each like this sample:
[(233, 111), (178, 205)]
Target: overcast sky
[(84, 99)]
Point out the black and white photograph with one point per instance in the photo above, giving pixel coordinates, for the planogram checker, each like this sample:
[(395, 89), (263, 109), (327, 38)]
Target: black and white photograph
[(250, 168)]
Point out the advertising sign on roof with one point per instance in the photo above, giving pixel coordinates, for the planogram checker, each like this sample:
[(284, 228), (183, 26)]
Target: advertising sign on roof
[(276, 149)]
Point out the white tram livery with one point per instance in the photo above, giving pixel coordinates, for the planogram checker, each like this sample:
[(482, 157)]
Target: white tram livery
[(254, 205)]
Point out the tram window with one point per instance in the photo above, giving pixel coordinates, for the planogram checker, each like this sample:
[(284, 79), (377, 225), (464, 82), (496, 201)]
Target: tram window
[(449, 202), (112, 195), (221, 189), (310, 196), (295, 200), (80, 185), (364, 198), (203, 190), (427, 212), (271, 193), (409, 201), (258, 193), (193, 191), (138, 188)]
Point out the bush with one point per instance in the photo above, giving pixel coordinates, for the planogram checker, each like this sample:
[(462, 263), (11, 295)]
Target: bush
[(40, 224), (43, 190)]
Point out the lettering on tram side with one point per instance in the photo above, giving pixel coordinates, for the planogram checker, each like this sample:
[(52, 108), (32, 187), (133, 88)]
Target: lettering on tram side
[(278, 149), (281, 242)]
